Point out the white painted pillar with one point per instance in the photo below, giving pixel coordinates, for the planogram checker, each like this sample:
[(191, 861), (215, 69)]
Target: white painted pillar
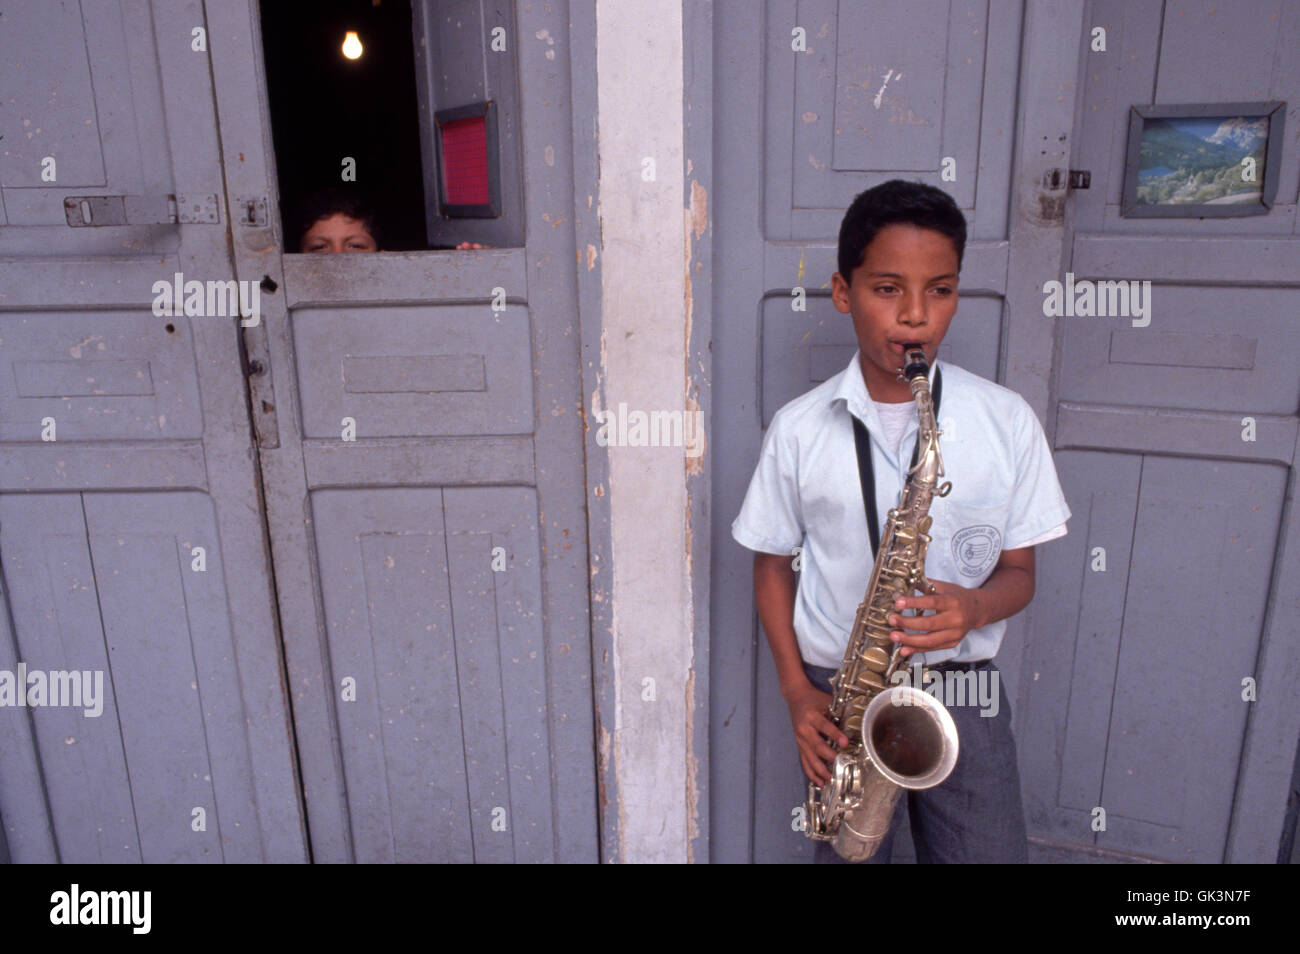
[(643, 358)]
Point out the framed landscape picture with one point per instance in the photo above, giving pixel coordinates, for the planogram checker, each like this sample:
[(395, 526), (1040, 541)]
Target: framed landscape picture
[(1203, 160)]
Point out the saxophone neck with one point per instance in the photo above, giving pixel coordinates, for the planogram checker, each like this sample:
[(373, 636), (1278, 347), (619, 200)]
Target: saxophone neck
[(929, 462)]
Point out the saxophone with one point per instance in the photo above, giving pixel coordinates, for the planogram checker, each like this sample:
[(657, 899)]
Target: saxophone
[(899, 736)]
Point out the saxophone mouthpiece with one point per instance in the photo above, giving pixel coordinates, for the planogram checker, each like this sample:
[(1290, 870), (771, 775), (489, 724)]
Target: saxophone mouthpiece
[(915, 363)]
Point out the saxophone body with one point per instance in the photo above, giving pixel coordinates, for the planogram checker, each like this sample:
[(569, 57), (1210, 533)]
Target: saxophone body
[(899, 736)]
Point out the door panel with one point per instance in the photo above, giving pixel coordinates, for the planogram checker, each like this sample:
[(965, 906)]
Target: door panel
[(127, 448), (81, 568), (435, 637), (1141, 712), (872, 99), (1176, 442), (1212, 349), (885, 90), (470, 372), (99, 376), (471, 736), (84, 87)]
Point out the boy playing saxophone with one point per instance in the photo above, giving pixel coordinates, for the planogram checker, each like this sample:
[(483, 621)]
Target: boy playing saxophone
[(900, 251)]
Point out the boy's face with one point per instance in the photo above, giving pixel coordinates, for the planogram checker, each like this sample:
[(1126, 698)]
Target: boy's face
[(904, 291), (338, 233)]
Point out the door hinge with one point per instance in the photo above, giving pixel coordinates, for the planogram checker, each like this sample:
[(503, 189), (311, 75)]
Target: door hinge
[(1080, 179), (96, 211)]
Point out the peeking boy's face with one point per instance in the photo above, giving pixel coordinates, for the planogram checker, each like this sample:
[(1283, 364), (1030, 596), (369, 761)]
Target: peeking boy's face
[(338, 233), (904, 291)]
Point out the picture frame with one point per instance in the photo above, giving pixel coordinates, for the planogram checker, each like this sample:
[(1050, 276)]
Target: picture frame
[(1197, 160)]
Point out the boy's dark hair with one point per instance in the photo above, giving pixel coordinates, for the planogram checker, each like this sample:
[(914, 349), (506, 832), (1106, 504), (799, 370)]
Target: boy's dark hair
[(892, 202), (333, 200)]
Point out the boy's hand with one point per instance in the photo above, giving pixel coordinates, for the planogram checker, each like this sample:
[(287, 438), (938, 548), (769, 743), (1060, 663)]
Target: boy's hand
[(956, 611), (812, 728)]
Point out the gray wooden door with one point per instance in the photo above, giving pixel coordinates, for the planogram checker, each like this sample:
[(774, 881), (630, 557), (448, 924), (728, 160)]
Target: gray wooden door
[(431, 572), (131, 538), (799, 134), (1134, 676)]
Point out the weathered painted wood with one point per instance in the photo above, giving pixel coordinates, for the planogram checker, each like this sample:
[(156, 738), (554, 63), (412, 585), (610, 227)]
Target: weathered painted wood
[(1188, 497), (447, 394), (195, 715)]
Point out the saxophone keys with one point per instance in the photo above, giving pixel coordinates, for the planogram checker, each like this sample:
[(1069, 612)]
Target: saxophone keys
[(876, 658), (868, 681)]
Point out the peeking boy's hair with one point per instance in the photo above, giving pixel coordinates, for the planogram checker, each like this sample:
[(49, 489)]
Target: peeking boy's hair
[(893, 202), (333, 200)]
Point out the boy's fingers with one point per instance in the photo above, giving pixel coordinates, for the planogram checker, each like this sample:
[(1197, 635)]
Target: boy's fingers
[(814, 769), (917, 602), (823, 750), (810, 740), (943, 639), (924, 640), (922, 624), (827, 728)]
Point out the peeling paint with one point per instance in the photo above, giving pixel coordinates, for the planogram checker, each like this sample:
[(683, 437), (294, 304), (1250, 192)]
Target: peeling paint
[(697, 220), (699, 210), (603, 769), (881, 92), (695, 465)]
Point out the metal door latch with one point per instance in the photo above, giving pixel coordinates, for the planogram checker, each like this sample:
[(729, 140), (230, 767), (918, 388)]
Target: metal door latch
[(1055, 181), (97, 211), (251, 210)]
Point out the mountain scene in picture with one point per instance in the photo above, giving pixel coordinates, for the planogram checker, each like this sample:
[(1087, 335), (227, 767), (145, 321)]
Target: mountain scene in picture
[(1199, 161)]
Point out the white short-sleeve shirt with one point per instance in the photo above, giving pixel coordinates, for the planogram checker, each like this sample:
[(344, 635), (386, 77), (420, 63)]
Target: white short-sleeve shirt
[(806, 493)]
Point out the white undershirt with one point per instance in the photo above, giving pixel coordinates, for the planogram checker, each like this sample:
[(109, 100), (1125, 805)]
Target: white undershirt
[(893, 421)]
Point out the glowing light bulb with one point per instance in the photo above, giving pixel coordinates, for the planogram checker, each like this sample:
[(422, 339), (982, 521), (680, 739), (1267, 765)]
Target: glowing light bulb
[(352, 45)]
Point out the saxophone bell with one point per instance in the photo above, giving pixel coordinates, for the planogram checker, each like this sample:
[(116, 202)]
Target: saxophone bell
[(909, 742), (910, 737)]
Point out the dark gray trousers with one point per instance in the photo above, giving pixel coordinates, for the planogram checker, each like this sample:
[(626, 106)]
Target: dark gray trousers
[(975, 816)]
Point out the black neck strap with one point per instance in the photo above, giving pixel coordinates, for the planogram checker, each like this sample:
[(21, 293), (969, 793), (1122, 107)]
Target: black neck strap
[(866, 473)]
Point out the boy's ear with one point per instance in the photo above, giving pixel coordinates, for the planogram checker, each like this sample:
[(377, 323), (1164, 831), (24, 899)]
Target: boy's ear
[(840, 293)]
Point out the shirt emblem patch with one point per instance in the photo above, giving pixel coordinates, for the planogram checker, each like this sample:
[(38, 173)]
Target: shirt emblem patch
[(975, 549)]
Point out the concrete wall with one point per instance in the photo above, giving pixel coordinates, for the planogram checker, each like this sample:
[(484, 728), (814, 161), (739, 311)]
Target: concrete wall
[(643, 362)]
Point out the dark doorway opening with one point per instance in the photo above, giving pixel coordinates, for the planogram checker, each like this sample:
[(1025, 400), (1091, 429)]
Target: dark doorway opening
[(326, 107)]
